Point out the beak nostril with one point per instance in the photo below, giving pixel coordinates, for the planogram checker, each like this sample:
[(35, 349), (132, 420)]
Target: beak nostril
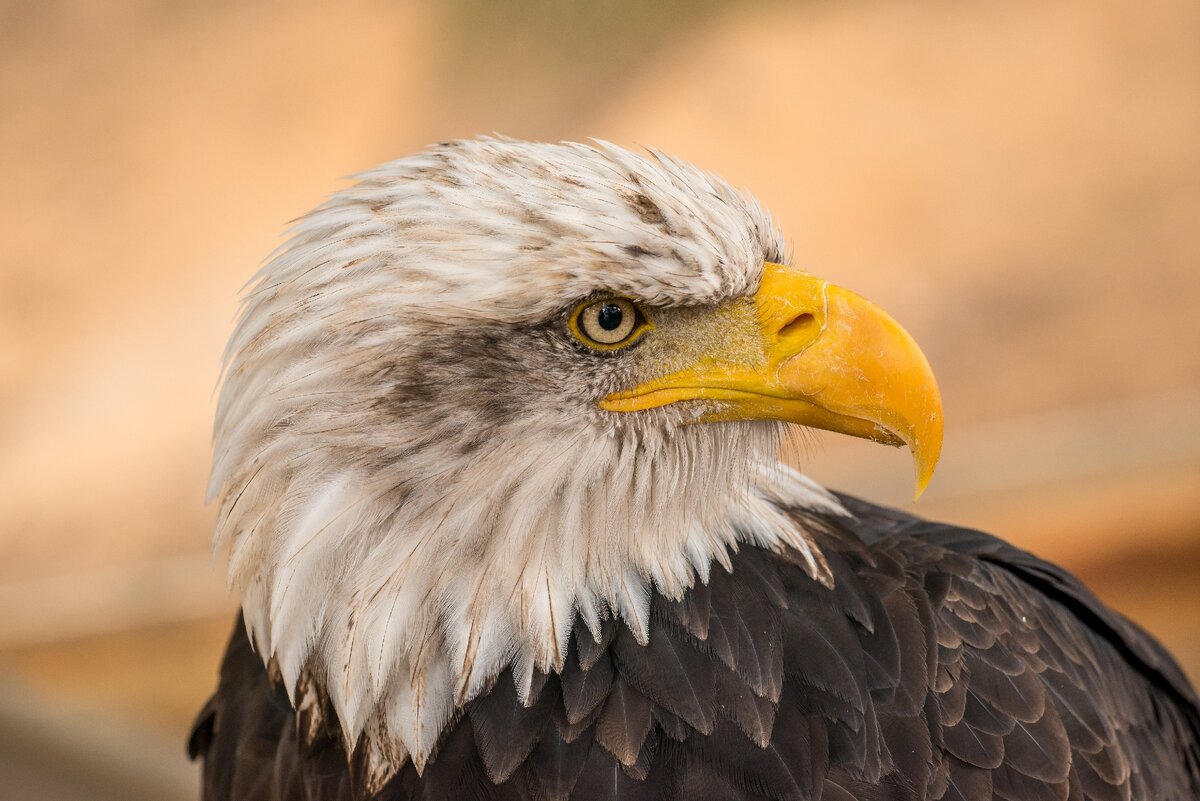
[(801, 323)]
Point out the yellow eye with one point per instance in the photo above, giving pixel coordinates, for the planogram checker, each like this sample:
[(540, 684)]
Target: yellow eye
[(607, 324)]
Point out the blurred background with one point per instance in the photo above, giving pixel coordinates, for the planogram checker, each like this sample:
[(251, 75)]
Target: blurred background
[(1017, 181)]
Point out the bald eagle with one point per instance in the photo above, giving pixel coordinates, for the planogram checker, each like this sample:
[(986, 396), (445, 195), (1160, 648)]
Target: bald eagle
[(496, 464)]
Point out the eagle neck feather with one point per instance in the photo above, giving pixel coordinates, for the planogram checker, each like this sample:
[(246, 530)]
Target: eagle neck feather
[(398, 599)]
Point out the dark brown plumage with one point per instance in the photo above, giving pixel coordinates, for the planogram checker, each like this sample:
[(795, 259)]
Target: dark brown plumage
[(943, 664)]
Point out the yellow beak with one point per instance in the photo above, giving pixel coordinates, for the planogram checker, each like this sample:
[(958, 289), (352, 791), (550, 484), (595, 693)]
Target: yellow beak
[(827, 359)]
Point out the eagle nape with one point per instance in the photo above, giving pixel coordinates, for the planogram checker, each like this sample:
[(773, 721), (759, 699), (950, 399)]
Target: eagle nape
[(495, 462)]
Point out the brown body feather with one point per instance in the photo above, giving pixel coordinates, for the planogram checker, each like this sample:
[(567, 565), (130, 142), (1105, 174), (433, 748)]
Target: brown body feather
[(943, 664)]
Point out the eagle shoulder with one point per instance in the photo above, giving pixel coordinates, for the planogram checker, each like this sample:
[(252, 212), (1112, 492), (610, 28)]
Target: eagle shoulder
[(941, 664)]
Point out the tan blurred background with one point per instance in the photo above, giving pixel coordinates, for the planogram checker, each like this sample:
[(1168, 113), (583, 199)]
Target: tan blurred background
[(1018, 181)]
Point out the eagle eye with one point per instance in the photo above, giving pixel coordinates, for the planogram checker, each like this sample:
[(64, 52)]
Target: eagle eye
[(608, 323)]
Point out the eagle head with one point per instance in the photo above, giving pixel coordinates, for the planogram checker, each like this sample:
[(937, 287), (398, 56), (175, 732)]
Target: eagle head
[(499, 390)]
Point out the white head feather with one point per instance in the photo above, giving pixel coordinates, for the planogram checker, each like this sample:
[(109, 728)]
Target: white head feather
[(416, 486)]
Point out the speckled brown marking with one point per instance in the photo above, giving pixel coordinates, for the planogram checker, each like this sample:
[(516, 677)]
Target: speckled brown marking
[(447, 178), (639, 252), (533, 217), (536, 244), (648, 210)]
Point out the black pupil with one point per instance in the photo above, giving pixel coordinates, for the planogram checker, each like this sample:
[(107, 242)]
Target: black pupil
[(610, 317)]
